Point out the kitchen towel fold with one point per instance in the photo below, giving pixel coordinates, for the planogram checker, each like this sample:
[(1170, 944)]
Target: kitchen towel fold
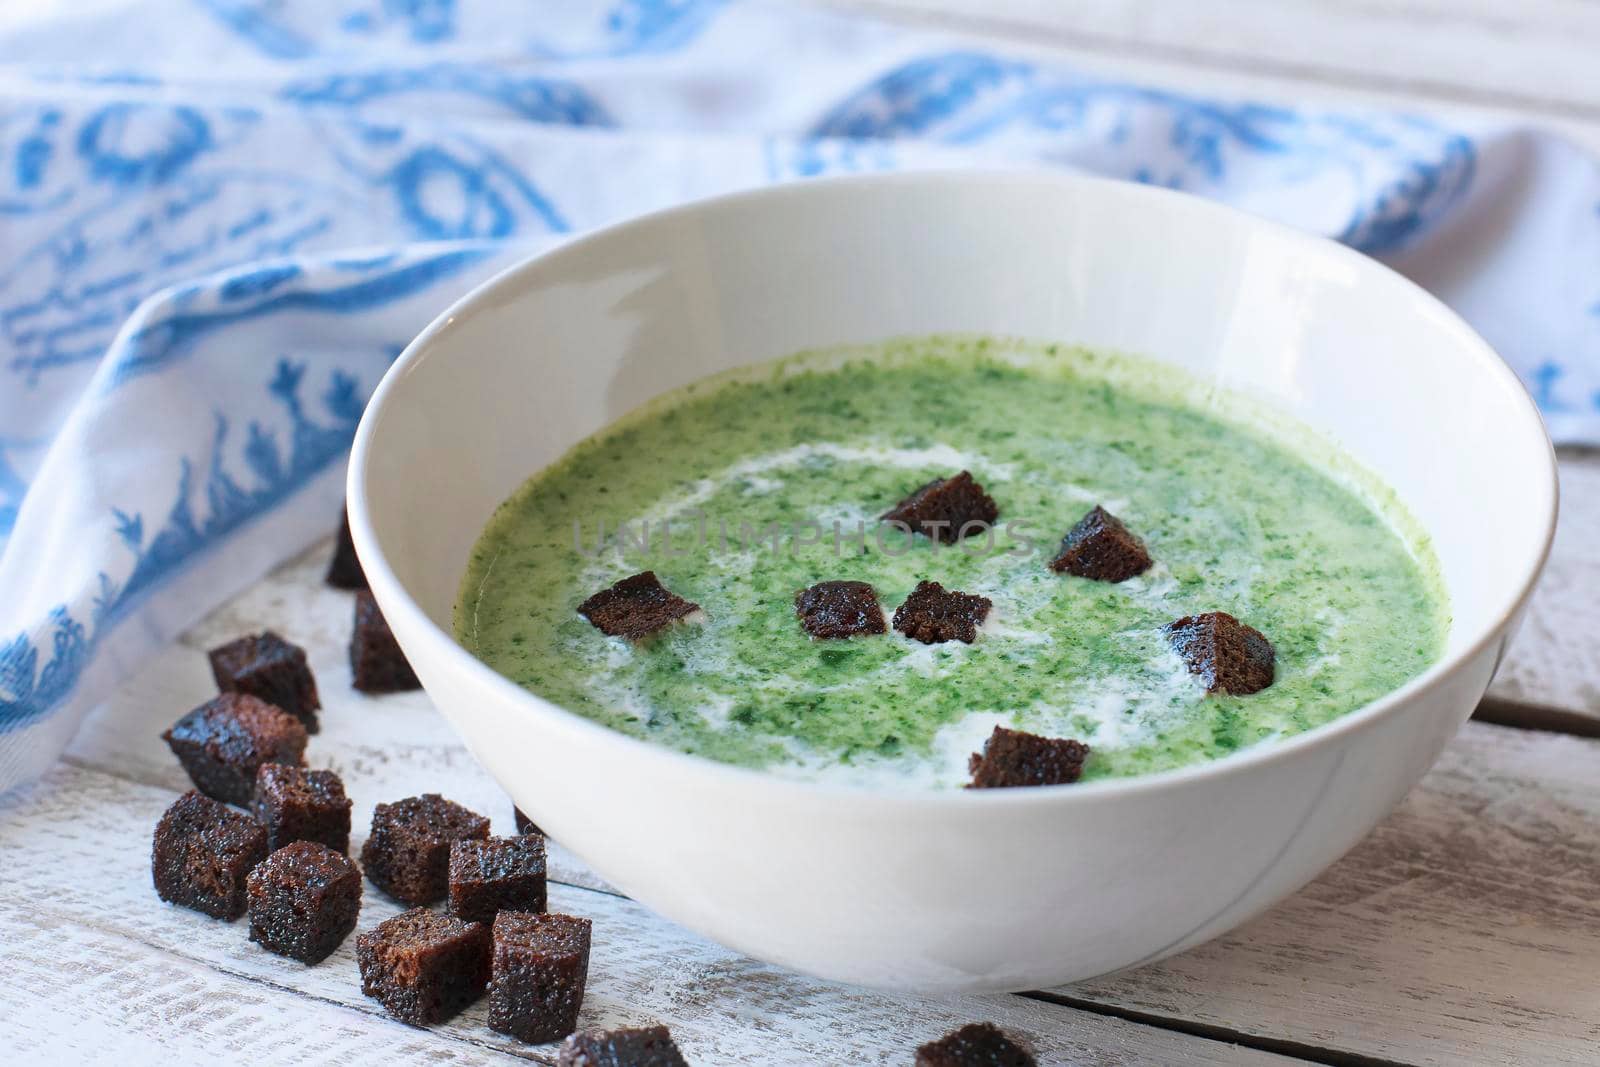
[(221, 219)]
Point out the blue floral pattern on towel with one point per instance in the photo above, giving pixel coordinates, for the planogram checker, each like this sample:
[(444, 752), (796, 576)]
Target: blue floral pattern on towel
[(157, 194), (298, 32), (1398, 174), (223, 218), (206, 509), (536, 99)]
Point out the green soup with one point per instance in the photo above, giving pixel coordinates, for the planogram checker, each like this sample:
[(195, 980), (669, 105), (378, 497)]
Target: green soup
[(742, 490)]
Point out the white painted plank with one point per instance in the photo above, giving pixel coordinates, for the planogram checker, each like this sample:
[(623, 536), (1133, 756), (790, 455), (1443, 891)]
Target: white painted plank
[(1554, 664), (1466, 929), (98, 967), (1538, 55), (79, 994)]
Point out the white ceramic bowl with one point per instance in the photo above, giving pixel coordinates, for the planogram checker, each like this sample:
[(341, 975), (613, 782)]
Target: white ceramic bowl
[(1002, 889)]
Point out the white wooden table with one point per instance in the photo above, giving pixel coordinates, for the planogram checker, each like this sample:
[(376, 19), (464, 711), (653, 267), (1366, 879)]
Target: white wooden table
[(1466, 929)]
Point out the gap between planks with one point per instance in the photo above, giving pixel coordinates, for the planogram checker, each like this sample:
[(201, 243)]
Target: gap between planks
[(1281, 1046), (1462, 930)]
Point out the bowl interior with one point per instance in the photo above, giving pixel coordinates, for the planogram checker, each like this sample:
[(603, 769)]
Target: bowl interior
[(555, 349)]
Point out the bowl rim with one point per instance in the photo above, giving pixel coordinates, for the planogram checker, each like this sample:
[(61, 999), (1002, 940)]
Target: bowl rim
[(504, 285)]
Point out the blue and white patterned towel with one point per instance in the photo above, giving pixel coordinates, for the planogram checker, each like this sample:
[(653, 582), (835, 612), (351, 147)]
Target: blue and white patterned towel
[(221, 219)]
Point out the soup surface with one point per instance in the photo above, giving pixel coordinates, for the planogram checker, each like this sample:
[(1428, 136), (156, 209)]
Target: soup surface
[(739, 491)]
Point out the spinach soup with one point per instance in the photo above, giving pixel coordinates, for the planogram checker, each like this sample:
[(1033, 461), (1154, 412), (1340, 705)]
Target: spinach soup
[(759, 502)]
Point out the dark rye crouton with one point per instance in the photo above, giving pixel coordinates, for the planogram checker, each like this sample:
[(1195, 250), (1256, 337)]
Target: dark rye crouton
[(295, 804), (975, 1045), (1099, 546), (637, 607), (1225, 654), (303, 901), (266, 666), (932, 614), (224, 741), (839, 609), (424, 967), (525, 825), (376, 663), (944, 506), (202, 853), (344, 569), (1014, 758), (407, 855), (647, 1046), (494, 874), (541, 965)]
